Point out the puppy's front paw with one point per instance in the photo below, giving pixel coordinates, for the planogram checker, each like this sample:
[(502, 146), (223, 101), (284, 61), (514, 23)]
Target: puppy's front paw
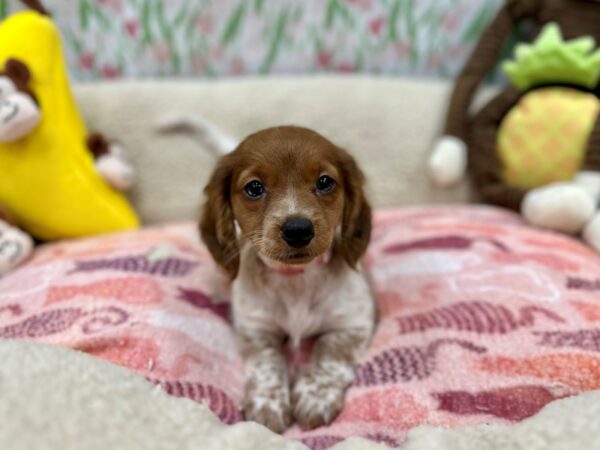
[(318, 398), (269, 407)]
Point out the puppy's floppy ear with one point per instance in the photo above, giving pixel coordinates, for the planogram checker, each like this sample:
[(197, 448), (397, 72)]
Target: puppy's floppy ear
[(217, 222), (356, 220), (18, 71)]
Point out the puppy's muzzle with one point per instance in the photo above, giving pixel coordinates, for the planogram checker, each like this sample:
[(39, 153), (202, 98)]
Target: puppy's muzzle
[(297, 232)]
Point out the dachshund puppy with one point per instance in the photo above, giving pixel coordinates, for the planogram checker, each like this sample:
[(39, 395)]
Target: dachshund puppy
[(286, 216)]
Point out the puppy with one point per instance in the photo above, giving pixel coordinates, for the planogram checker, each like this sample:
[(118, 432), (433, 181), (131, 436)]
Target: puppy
[(286, 216)]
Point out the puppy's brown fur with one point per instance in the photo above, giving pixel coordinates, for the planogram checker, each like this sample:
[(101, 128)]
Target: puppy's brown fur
[(282, 291), (288, 161)]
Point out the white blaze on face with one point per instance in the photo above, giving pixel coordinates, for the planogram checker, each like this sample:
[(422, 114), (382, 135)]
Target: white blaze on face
[(287, 206), (292, 202), (292, 206)]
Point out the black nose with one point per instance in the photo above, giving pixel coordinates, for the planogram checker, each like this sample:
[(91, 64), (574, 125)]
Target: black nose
[(297, 232)]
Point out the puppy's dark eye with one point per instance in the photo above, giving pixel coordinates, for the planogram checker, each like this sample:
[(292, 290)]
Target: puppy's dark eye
[(254, 189), (325, 184)]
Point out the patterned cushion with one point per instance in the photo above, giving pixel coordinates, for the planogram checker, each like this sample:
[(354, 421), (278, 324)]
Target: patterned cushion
[(482, 318)]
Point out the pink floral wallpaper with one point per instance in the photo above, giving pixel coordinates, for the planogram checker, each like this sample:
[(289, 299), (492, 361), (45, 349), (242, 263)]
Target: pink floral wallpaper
[(149, 38)]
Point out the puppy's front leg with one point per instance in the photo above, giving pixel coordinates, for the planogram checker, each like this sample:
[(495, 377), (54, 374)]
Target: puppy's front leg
[(318, 394), (267, 396)]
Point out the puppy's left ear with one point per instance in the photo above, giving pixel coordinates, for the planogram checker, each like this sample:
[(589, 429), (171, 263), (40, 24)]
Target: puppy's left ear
[(217, 227), (356, 220)]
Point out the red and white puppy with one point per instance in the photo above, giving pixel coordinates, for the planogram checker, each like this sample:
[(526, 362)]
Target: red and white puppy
[(286, 216)]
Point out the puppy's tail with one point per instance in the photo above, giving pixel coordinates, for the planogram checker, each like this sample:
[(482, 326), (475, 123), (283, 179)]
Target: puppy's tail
[(208, 135)]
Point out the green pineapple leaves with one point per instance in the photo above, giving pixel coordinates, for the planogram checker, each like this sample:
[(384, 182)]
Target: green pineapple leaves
[(552, 60)]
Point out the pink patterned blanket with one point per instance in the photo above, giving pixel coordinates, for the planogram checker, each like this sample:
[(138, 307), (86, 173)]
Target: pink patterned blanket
[(483, 319)]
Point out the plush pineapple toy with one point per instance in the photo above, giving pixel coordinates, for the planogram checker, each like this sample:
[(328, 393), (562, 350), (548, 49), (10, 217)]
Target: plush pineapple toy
[(536, 146), (57, 181), (546, 136)]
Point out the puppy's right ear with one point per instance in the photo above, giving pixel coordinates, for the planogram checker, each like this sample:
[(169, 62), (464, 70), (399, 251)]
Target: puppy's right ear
[(217, 222)]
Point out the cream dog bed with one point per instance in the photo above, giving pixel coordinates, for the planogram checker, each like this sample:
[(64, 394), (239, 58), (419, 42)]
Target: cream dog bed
[(59, 399)]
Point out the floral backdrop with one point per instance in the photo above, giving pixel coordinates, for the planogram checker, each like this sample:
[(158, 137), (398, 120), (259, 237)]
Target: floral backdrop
[(143, 38)]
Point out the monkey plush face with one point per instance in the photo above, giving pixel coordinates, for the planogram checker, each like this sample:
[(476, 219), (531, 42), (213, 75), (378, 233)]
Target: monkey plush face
[(19, 109)]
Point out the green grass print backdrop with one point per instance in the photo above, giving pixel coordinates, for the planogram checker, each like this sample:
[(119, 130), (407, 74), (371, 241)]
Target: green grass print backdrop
[(144, 38)]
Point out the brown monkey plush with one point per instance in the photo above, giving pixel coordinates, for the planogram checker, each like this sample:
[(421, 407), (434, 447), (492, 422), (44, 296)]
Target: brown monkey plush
[(554, 190), (15, 244), (19, 109), (20, 113), (110, 161)]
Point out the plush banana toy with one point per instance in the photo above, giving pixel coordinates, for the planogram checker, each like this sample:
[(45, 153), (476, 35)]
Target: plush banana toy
[(50, 183), (57, 180)]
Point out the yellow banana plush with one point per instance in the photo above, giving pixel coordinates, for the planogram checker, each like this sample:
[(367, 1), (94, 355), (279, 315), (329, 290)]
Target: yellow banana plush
[(48, 182)]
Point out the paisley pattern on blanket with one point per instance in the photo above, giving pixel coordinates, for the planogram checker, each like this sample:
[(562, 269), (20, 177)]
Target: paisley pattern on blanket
[(482, 319), (515, 403), (173, 267), (406, 363), (219, 402), (478, 317)]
